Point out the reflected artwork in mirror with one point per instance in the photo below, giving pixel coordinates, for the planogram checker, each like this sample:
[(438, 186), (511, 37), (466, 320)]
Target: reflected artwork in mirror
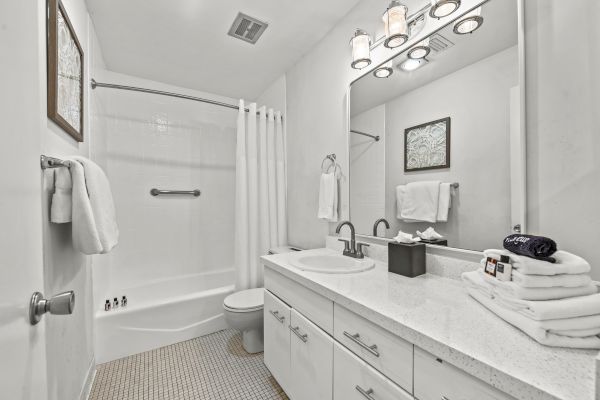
[(463, 84)]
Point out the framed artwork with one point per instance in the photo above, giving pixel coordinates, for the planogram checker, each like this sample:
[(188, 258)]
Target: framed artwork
[(65, 72), (427, 146)]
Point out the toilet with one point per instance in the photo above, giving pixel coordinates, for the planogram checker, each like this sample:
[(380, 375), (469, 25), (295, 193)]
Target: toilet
[(244, 311)]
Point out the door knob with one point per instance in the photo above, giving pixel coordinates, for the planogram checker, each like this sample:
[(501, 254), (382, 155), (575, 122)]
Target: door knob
[(60, 304)]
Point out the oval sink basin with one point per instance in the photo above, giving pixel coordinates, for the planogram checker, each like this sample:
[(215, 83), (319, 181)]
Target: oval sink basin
[(330, 263)]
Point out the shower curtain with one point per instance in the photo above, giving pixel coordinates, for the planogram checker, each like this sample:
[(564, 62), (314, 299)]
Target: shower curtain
[(260, 200)]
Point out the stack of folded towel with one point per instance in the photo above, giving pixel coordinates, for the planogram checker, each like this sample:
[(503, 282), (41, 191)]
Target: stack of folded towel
[(554, 301)]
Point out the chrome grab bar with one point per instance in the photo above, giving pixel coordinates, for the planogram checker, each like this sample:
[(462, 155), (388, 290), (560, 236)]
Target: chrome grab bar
[(157, 192), (366, 393), (276, 315), (296, 331), (356, 339)]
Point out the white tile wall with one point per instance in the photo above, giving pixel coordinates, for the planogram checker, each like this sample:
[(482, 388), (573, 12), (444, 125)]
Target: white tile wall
[(154, 141)]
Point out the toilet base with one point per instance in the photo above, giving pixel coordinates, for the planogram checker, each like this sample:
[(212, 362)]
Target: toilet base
[(252, 340)]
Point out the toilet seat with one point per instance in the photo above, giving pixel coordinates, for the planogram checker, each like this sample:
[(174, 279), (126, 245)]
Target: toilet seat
[(245, 301)]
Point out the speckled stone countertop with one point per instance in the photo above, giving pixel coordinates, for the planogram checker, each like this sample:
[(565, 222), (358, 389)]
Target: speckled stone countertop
[(436, 314)]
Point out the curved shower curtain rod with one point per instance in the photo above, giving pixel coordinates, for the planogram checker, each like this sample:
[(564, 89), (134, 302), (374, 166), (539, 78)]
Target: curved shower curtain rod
[(94, 84)]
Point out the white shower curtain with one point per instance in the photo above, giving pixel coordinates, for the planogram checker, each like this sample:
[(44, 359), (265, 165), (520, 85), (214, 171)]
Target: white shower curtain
[(260, 202)]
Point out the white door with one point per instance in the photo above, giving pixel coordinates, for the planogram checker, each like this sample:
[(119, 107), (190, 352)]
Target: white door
[(22, 346), (277, 339), (311, 360)]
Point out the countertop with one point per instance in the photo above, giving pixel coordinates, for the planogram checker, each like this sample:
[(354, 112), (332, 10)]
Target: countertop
[(438, 315)]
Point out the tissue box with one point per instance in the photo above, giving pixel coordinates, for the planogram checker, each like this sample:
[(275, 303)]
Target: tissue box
[(406, 259)]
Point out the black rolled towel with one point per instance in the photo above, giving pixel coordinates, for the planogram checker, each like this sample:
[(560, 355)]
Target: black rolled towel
[(538, 247)]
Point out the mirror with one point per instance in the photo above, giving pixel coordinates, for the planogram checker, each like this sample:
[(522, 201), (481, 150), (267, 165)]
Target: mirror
[(450, 118)]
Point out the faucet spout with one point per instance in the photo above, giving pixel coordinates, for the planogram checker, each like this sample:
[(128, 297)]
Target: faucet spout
[(376, 225), (352, 251)]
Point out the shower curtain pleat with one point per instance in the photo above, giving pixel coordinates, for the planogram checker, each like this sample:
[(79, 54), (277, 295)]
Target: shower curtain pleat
[(260, 192)]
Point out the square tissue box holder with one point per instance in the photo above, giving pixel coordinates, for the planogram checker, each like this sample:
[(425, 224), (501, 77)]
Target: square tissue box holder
[(406, 259)]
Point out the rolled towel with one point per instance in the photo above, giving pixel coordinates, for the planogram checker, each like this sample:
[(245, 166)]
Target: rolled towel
[(537, 247), (562, 280), (566, 263), (542, 333)]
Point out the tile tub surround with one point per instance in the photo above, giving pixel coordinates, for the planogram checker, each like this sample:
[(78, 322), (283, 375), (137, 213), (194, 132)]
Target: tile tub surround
[(437, 315)]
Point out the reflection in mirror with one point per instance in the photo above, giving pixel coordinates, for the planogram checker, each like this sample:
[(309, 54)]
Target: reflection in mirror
[(445, 115)]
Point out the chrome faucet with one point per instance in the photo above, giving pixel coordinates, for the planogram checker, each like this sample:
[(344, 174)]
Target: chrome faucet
[(376, 225), (351, 248)]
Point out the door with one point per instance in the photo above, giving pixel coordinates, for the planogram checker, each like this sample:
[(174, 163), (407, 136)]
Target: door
[(277, 339), (311, 359), (22, 346)]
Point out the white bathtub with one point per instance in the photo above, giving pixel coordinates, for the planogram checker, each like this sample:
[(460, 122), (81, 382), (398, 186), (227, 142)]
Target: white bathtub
[(161, 313)]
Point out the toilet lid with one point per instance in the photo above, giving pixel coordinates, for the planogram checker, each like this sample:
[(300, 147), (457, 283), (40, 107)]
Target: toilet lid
[(246, 300)]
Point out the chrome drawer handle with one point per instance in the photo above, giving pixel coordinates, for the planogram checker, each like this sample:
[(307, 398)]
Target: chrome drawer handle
[(276, 315), (366, 393), (296, 331), (356, 339)]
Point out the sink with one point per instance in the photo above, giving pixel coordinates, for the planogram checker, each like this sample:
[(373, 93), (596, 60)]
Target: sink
[(329, 262)]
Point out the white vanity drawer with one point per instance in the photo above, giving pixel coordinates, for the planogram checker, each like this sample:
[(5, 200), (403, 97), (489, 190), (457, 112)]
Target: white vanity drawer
[(386, 352), (436, 379), (312, 305), (353, 379)]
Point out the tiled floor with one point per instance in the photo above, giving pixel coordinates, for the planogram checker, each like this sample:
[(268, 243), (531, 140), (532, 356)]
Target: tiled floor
[(213, 367)]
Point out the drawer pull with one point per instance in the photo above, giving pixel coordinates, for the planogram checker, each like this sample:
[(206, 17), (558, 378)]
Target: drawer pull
[(366, 393), (356, 339), (296, 331), (276, 315)]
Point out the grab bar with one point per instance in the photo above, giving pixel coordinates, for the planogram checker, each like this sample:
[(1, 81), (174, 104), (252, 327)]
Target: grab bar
[(158, 192)]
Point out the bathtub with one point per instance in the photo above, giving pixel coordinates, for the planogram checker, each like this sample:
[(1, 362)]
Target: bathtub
[(162, 312)]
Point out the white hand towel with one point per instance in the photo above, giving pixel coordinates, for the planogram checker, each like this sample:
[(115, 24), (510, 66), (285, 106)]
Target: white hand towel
[(328, 198), (62, 204), (566, 263), (538, 310), (562, 280), (510, 289), (534, 328), (400, 192), (94, 228), (421, 201), (444, 202)]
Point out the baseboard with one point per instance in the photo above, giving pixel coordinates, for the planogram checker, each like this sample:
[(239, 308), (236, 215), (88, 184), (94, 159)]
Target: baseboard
[(89, 381)]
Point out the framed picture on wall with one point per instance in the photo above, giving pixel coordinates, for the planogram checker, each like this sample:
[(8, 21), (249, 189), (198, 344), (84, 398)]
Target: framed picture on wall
[(427, 146), (65, 72)]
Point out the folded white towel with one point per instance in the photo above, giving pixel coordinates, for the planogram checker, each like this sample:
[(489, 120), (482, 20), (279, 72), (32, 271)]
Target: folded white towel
[(444, 202), (94, 227), (538, 310), (566, 263), (421, 201), (400, 192), (535, 329), (62, 205), (562, 280), (328, 197), (510, 289)]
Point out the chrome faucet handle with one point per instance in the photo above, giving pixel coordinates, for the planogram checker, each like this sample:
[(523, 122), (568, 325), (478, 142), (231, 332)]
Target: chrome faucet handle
[(359, 249), (346, 245)]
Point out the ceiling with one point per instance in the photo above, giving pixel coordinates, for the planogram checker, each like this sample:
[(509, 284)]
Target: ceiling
[(185, 42), (498, 32)]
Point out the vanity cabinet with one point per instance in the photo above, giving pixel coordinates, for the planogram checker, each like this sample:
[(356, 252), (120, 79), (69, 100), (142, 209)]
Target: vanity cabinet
[(277, 316)]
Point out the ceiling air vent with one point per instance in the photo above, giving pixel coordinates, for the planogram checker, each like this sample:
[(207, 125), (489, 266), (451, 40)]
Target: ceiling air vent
[(247, 28), (439, 43)]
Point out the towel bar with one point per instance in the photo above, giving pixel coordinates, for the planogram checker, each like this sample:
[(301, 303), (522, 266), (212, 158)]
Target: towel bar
[(157, 192), (51, 162)]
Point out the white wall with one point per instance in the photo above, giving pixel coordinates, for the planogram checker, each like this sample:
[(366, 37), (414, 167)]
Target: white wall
[(149, 141), (69, 339), (367, 170), (563, 123), (477, 99)]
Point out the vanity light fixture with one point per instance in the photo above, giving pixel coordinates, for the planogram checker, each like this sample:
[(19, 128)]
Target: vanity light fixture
[(361, 52), (385, 70), (443, 8), (420, 50), (469, 23), (412, 64), (395, 25)]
